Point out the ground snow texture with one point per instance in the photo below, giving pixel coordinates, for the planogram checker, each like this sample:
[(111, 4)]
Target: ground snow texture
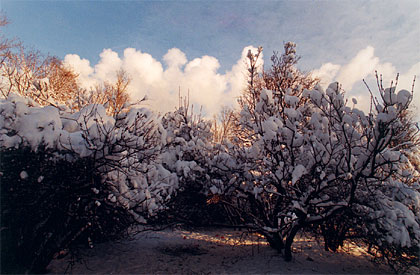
[(215, 251)]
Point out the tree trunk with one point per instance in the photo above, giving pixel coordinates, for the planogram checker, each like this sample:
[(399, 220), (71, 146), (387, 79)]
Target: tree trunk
[(289, 242), (275, 241)]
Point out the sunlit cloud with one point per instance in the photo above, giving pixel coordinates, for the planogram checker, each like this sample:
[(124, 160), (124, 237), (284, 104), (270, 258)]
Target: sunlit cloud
[(363, 67), (326, 73), (405, 81), (363, 64), (199, 78), (82, 68), (210, 90)]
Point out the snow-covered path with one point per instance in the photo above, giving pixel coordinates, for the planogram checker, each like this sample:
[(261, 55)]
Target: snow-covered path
[(214, 252)]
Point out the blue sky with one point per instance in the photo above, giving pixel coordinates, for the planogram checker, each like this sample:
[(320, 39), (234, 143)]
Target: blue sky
[(326, 32)]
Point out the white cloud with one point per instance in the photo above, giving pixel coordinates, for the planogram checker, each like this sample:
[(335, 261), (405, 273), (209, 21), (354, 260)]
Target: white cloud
[(82, 68), (363, 66), (175, 58), (326, 73), (199, 77), (405, 81), (105, 69), (211, 90)]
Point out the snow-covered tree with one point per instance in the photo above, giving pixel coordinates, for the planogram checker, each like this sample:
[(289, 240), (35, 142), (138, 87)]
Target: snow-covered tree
[(308, 157)]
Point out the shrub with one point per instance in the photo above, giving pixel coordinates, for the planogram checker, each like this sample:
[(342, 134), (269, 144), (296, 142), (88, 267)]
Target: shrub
[(190, 153), (309, 159), (68, 177), (48, 205)]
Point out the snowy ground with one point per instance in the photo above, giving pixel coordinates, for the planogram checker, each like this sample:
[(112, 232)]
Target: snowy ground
[(214, 251)]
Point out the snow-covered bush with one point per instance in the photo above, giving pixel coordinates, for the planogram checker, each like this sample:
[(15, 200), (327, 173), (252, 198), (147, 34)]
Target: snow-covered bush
[(50, 205), (126, 149), (308, 158), (190, 153), (105, 173)]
